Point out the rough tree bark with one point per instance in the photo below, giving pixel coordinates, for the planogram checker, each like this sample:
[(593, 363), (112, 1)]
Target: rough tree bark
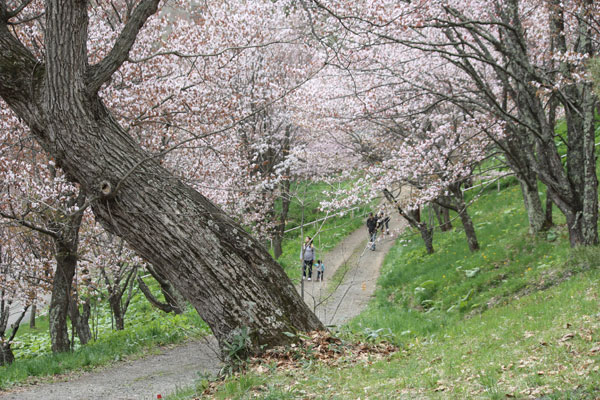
[(226, 275)]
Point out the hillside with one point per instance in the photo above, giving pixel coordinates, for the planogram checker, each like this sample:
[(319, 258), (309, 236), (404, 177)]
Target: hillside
[(518, 319)]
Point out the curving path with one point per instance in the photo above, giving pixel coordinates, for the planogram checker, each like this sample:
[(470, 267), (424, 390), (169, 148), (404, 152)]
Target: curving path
[(180, 366)]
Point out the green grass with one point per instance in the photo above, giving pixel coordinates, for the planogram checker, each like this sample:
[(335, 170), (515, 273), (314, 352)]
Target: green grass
[(520, 318)]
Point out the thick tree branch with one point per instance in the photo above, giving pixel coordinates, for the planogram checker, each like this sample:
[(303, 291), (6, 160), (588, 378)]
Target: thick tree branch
[(13, 13), (101, 72), (20, 73), (150, 297)]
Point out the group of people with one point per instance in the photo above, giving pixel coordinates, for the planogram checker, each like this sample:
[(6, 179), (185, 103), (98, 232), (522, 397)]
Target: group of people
[(375, 223), (307, 255)]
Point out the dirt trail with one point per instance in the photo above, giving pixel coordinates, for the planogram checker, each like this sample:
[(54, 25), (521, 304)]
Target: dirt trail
[(337, 305), (180, 366)]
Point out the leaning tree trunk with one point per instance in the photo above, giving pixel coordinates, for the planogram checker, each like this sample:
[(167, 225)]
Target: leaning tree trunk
[(228, 276)]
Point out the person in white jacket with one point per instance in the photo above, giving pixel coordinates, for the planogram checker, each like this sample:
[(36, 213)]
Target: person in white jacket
[(308, 257)]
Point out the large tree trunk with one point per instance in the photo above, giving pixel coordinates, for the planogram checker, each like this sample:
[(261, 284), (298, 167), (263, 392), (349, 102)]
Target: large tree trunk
[(227, 275)]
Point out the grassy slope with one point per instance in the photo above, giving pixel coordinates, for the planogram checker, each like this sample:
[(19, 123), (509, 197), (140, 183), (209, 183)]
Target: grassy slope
[(519, 318)]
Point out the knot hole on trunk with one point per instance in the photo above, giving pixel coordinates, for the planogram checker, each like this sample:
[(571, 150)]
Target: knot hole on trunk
[(106, 189)]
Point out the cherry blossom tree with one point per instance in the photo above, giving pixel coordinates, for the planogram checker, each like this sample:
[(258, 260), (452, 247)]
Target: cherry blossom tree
[(226, 274), (37, 196), (526, 60)]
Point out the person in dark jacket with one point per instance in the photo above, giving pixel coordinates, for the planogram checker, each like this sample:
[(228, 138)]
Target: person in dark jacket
[(372, 227)]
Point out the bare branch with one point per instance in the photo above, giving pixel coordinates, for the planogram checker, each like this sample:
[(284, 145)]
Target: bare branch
[(21, 221), (101, 72)]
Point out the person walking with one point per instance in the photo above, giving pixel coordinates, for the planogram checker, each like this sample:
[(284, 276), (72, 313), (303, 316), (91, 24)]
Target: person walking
[(383, 220), (320, 267), (308, 257), (372, 228)]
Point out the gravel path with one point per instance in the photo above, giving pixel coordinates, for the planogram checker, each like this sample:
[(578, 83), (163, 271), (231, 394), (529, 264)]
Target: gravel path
[(338, 305), (180, 366)]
